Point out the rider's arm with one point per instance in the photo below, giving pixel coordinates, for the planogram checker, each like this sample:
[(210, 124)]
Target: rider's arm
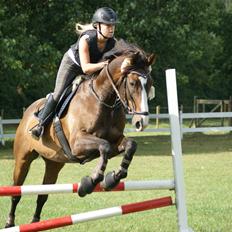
[(87, 67)]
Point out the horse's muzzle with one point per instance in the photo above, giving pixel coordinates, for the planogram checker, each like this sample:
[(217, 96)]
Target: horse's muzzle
[(140, 122)]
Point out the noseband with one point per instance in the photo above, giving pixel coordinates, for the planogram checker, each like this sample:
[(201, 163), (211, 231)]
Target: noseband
[(119, 99)]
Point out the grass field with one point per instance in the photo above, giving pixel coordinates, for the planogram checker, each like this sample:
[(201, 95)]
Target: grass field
[(208, 179)]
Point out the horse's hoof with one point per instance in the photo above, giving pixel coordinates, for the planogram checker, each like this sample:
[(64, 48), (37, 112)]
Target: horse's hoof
[(86, 186), (10, 222), (8, 225), (35, 219), (98, 179), (110, 181)]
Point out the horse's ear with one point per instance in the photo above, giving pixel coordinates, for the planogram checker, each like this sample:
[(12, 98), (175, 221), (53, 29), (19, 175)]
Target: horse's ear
[(151, 59), (125, 64), (135, 56)]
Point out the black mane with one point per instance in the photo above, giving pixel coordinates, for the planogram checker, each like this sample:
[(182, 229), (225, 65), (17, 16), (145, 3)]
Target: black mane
[(123, 48)]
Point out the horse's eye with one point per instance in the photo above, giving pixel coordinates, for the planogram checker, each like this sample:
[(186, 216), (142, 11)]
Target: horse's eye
[(132, 83)]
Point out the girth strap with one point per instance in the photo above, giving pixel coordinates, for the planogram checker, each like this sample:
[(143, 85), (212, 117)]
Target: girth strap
[(63, 141)]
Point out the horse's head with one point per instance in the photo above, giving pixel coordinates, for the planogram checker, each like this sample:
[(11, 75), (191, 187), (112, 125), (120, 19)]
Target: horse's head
[(131, 73), (136, 68)]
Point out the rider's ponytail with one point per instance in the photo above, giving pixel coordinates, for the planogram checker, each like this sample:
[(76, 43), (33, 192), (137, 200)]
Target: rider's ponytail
[(82, 28)]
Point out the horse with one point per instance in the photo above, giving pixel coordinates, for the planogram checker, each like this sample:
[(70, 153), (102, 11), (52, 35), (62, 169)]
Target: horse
[(93, 125)]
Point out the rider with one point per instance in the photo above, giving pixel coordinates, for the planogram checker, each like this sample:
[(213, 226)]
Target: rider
[(82, 58)]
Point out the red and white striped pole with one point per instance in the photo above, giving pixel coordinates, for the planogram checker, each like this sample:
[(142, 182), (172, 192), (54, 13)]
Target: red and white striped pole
[(92, 215), (73, 188)]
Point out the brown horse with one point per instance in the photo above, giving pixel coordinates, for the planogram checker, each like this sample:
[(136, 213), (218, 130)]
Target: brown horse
[(93, 125)]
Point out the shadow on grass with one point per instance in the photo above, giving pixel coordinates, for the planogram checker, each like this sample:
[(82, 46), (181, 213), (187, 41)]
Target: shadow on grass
[(160, 145)]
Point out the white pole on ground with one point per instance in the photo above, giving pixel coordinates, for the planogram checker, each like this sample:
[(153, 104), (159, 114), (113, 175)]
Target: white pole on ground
[(176, 150)]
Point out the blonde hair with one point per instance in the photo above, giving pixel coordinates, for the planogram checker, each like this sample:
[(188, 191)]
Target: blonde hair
[(82, 28)]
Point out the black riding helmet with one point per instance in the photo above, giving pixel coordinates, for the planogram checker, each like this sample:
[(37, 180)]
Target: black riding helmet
[(104, 15)]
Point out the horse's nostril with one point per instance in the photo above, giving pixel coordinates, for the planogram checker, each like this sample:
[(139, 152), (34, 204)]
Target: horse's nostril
[(138, 124)]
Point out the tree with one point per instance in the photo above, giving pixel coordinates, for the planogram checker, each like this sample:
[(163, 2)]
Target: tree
[(192, 36), (221, 80)]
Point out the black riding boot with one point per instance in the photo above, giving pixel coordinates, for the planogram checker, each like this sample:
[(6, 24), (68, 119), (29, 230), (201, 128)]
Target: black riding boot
[(49, 106)]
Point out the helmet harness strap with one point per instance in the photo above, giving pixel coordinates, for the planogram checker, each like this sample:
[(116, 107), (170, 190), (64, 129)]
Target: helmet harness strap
[(101, 32)]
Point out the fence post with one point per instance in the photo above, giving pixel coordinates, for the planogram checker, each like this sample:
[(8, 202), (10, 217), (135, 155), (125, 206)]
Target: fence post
[(157, 113), (181, 123), (230, 109), (193, 121), (1, 132)]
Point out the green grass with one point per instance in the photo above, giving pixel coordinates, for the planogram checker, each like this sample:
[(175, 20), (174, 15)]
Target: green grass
[(208, 177)]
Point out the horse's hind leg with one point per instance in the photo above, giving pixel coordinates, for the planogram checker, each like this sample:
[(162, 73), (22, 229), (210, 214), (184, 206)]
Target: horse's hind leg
[(52, 170), (113, 178), (22, 165)]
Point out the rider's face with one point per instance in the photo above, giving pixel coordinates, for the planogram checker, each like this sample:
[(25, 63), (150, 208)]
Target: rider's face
[(107, 30)]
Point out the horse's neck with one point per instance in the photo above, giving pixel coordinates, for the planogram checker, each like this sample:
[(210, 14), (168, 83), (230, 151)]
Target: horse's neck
[(103, 85)]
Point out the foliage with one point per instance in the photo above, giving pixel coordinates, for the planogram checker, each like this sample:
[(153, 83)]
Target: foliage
[(223, 63), (192, 36)]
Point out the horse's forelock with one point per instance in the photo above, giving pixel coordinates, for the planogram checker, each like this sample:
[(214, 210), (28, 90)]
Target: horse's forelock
[(138, 61), (122, 48)]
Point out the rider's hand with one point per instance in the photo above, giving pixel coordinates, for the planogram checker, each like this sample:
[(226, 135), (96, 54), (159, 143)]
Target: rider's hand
[(104, 63)]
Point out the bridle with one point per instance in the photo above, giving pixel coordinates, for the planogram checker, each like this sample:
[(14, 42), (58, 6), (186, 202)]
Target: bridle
[(119, 100)]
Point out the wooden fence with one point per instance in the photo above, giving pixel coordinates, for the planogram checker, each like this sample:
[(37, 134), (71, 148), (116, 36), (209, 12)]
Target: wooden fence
[(157, 128)]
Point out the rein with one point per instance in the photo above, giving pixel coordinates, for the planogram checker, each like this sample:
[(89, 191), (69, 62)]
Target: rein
[(116, 103), (118, 100)]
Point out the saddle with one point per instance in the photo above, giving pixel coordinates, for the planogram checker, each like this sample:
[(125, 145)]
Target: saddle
[(61, 107), (64, 100)]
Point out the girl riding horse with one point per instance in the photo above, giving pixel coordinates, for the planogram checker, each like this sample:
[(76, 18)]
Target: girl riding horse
[(93, 123), (82, 58)]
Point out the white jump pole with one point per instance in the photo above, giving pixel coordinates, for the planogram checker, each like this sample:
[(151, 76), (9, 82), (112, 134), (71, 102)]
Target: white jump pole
[(177, 150), (73, 188), (92, 215)]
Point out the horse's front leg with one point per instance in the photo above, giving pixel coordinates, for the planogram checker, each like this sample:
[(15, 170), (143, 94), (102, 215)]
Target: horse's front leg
[(92, 147), (112, 178)]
